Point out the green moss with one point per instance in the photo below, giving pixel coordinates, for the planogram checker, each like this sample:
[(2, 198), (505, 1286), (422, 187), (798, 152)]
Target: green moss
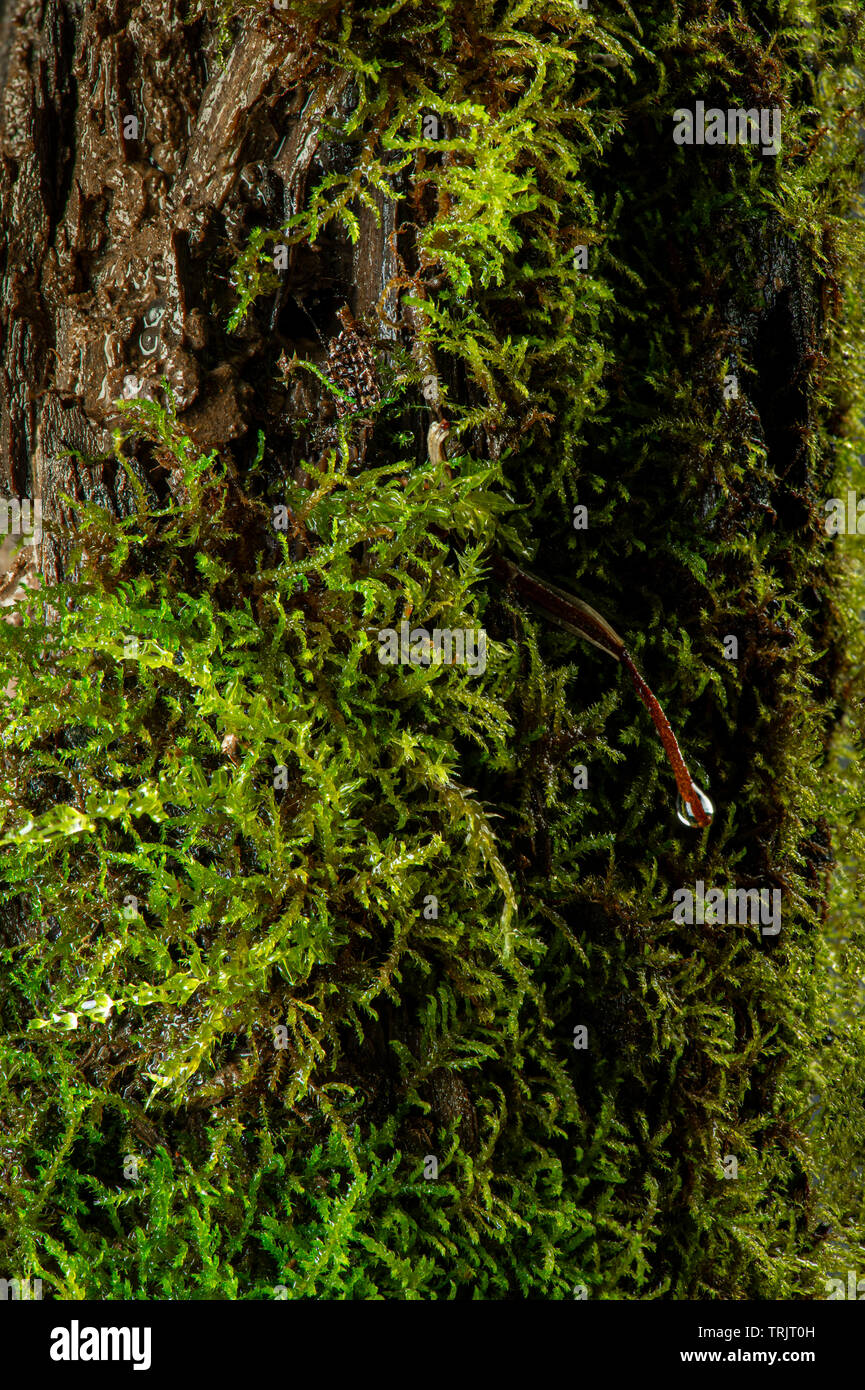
[(203, 903)]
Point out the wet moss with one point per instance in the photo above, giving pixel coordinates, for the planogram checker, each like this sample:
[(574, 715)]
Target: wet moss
[(238, 891)]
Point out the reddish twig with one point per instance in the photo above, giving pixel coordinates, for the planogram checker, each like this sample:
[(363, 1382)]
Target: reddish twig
[(576, 616)]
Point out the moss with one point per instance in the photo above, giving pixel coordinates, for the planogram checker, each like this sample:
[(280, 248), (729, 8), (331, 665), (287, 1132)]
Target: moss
[(225, 819)]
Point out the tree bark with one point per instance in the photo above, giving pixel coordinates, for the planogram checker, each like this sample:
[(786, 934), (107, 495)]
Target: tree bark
[(133, 165)]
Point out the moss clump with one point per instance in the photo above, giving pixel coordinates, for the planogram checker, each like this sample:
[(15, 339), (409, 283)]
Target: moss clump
[(282, 924)]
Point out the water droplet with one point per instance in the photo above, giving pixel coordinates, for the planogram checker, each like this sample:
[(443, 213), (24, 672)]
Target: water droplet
[(154, 313), (685, 811), (149, 342)]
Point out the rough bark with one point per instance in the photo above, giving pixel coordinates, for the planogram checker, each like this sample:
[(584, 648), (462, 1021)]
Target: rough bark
[(114, 271)]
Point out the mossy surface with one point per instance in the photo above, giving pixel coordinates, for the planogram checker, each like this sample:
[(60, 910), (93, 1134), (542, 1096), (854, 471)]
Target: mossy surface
[(235, 1029)]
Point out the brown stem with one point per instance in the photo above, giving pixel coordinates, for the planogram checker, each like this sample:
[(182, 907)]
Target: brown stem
[(687, 790), (566, 609), (576, 616)]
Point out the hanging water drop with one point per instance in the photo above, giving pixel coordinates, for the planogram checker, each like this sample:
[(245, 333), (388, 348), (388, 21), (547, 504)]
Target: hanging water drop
[(689, 816), (154, 313), (148, 342)]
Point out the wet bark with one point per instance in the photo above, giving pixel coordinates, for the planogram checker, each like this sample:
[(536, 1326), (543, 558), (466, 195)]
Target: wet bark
[(133, 164)]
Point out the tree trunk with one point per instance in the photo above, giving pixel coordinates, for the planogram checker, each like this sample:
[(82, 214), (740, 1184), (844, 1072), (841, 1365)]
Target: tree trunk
[(145, 145)]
